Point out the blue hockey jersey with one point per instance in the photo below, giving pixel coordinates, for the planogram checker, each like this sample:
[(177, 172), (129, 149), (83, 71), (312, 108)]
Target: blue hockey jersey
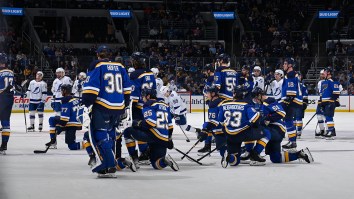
[(213, 112), (108, 86), (237, 116), (6, 82), (274, 113), (141, 79), (291, 88), (157, 119), (208, 83), (246, 82), (305, 93), (225, 80), (69, 113), (329, 91)]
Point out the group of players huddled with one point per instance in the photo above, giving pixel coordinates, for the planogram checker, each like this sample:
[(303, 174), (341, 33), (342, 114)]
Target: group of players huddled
[(114, 103)]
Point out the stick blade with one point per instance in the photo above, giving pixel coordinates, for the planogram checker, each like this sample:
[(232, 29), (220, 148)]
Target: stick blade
[(39, 151)]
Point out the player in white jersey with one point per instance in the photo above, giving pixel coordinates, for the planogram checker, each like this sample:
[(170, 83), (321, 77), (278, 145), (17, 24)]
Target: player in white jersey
[(257, 77), (37, 93), (178, 109), (276, 85), (172, 86), (60, 80), (159, 83), (320, 115), (77, 88)]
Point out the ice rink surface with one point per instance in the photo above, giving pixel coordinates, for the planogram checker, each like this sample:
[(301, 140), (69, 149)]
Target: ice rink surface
[(64, 174)]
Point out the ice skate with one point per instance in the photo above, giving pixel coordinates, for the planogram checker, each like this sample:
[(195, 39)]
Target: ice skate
[(107, 173), (92, 162), (329, 135), (144, 157), (256, 159), (290, 146), (306, 155), (225, 160), (245, 157), (31, 128), (40, 127), (130, 164), (205, 149), (319, 135), (52, 144), (3, 148), (170, 162)]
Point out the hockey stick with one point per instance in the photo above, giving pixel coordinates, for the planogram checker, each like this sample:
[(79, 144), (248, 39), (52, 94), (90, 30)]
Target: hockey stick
[(41, 151), (189, 157), (309, 121), (210, 152), (23, 103), (187, 139), (190, 149)]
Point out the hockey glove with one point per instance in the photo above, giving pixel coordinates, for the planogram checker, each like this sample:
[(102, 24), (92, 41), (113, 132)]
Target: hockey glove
[(304, 106), (202, 134), (137, 123), (337, 103)]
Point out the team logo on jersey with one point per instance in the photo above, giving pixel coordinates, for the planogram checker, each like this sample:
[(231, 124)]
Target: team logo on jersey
[(290, 84), (277, 91), (147, 78), (215, 78), (36, 90)]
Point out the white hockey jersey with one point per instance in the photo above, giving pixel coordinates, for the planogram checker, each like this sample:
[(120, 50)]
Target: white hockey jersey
[(176, 103), (172, 86), (258, 82), (277, 88), (77, 89), (159, 84), (37, 91), (56, 87)]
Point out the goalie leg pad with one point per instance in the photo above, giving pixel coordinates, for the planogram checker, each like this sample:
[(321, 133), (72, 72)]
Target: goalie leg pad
[(104, 150)]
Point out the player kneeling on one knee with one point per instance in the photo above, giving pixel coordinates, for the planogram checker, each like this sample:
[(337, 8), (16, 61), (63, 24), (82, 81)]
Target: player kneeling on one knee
[(156, 129), (67, 120), (242, 123), (272, 124)]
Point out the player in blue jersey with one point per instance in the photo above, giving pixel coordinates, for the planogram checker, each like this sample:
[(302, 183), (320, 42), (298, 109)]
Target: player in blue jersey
[(300, 112), (6, 101), (67, 120), (156, 129), (291, 100), (209, 73), (107, 90), (245, 80), (212, 126), (141, 78), (241, 123), (319, 111), (329, 95), (225, 77), (271, 121)]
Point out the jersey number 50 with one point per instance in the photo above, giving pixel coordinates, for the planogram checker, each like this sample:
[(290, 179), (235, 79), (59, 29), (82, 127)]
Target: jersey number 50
[(114, 82)]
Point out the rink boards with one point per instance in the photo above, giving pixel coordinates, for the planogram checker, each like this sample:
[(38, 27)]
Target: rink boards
[(196, 101)]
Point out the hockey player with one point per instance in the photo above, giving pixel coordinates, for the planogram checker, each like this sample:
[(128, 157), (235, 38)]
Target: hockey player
[(172, 85), (212, 126), (37, 92), (277, 84), (178, 109), (300, 112), (291, 100), (329, 95), (130, 70), (257, 77), (77, 87), (241, 122), (225, 77), (159, 83), (245, 80), (67, 121), (319, 111), (273, 113), (6, 101), (60, 80), (156, 129), (107, 90), (141, 78)]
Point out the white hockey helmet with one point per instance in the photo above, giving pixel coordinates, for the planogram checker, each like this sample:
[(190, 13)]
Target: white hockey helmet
[(40, 73), (280, 72), (257, 68), (155, 71), (82, 75), (164, 90), (131, 69), (60, 70)]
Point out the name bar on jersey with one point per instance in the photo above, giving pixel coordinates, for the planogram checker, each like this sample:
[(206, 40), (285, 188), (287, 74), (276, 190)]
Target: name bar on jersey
[(328, 14), (12, 11), (224, 15), (120, 13)]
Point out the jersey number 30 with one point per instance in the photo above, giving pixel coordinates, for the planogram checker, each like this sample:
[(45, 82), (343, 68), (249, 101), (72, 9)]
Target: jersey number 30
[(114, 82)]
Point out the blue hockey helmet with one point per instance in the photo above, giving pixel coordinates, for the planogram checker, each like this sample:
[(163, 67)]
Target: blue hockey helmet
[(103, 48), (3, 58), (139, 58), (290, 60), (67, 88), (211, 89), (329, 70), (209, 67), (240, 92), (256, 92), (225, 58), (148, 91)]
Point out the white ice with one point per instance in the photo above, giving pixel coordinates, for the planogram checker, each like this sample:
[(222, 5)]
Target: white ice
[(64, 174)]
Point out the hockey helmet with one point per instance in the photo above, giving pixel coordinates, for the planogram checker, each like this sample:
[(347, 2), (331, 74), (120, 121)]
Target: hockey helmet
[(211, 89), (165, 89), (224, 58), (67, 88), (148, 91), (240, 92), (40, 73), (280, 72), (256, 92), (155, 71), (82, 76)]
